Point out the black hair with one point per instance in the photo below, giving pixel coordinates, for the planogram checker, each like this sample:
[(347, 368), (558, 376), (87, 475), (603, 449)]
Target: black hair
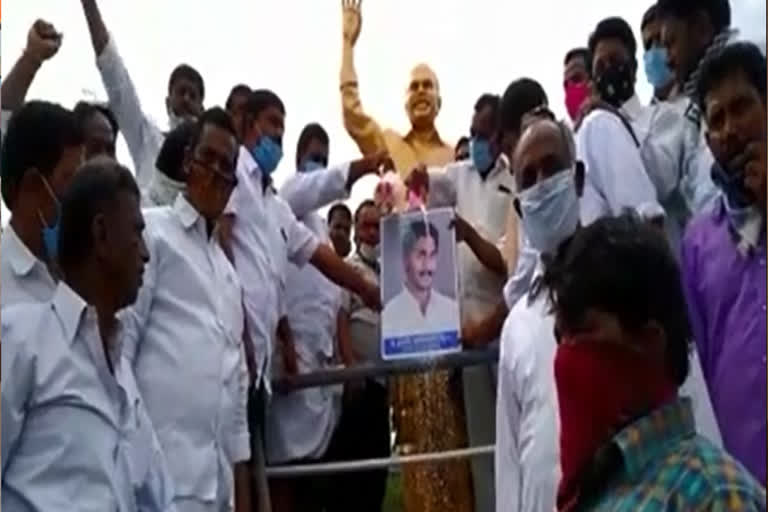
[(737, 57), (187, 72), (614, 28), (170, 159), (215, 116), (521, 96), (313, 131), (238, 90), (417, 230), (579, 53), (341, 208), (649, 17), (36, 137), (463, 140), (718, 11), (85, 110), (623, 266), (368, 203), (261, 99), (94, 190), (488, 100)]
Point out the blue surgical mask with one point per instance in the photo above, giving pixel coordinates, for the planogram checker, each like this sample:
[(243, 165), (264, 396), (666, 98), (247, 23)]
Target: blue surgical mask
[(310, 165), (656, 69), (550, 211), (50, 232), (480, 151), (267, 154)]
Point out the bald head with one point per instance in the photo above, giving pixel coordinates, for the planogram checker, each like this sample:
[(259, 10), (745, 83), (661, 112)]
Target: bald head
[(422, 99), (545, 148)]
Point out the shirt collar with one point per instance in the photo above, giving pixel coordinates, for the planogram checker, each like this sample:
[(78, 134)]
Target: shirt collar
[(645, 439), (69, 307), (72, 311), (185, 212), (633, 108), (250, 166), (21, 258)]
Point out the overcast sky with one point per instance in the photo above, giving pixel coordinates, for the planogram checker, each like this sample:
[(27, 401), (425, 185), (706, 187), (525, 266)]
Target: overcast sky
[(294, 47)]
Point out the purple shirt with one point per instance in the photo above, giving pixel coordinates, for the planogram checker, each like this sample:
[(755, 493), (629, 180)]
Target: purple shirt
[(726, 292)]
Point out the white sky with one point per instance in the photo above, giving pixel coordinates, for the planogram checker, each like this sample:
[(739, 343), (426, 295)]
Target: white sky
[(294, 48)]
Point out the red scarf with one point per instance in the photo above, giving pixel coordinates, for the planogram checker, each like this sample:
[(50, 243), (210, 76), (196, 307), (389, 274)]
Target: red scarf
[(601, 387)]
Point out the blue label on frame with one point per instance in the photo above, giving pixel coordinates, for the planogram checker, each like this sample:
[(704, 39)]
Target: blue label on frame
[(421, 343)]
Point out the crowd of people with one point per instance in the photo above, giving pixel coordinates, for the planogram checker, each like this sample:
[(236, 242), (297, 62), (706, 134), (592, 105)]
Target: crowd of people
[(618, 258)]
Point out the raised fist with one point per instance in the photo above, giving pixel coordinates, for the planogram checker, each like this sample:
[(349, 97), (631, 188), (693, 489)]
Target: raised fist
[(43, 41)]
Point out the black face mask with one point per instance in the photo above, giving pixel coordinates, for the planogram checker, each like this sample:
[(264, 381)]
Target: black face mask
[(615, 84)]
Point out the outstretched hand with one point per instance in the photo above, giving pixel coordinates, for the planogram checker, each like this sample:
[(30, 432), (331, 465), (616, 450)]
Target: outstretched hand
[(352, 20), (374, 164), (43, 41)]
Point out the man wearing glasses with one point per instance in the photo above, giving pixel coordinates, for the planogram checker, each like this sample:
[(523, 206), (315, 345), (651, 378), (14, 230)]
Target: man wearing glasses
[(184, 333)]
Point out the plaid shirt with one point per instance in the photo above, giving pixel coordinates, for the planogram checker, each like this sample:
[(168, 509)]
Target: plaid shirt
[(667, 466)]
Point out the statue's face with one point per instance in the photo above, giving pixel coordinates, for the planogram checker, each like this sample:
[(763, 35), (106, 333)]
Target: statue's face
[(423, 96)]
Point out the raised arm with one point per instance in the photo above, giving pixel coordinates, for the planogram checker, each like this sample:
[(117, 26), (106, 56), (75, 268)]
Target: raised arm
[(42, 43), (142, 137), (363, 129)]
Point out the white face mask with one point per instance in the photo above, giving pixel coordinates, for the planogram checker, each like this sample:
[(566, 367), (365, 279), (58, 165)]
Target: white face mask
[(175, 121), (369, 252), (163, 190), (550, 211)]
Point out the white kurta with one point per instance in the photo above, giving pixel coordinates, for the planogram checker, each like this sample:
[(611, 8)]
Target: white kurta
[(184, 335), (300, 424)]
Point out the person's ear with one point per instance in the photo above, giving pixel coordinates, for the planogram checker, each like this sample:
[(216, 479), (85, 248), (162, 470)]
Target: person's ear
[(169, 104), (579, 177), (439, 103)]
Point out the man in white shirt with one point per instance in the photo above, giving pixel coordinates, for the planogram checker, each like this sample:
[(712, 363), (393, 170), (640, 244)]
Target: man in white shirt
[(42, 151), (76, 433), (261, 234), (549, 183), (419, 308), (299, 425), (185, 331), (655, 153), (186, 92)]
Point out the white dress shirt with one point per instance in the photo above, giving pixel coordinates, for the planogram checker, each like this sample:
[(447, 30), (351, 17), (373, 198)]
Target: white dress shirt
[(527, 455), (527, 459), (299, 425), (402, 315), (184, 336), (677, 159), (74, 435), (484, 203), (615, 176), (23, 277), (266, 236), (142, 136)]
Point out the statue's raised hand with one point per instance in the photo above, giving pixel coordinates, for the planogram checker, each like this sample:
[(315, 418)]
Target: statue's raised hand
[(352, 20)]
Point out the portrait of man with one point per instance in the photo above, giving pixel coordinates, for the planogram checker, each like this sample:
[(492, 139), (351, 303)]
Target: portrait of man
[(421, 313)]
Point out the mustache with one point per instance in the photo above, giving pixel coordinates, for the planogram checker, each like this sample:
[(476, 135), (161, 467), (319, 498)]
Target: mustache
[(426, 273)]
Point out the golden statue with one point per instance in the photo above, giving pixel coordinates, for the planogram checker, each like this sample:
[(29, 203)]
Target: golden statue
[(422, 145), (428, 408)]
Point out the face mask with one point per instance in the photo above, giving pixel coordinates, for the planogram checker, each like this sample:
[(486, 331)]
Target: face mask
[(50, 233), (369, 252), (267, 154), (174, 121), (656, 68), (628, 384), (575, 96), (550, 211), (310, 165), (615, 84), (480, 151)]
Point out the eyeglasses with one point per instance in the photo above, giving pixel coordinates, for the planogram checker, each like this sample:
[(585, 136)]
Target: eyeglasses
[(215, 165)]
